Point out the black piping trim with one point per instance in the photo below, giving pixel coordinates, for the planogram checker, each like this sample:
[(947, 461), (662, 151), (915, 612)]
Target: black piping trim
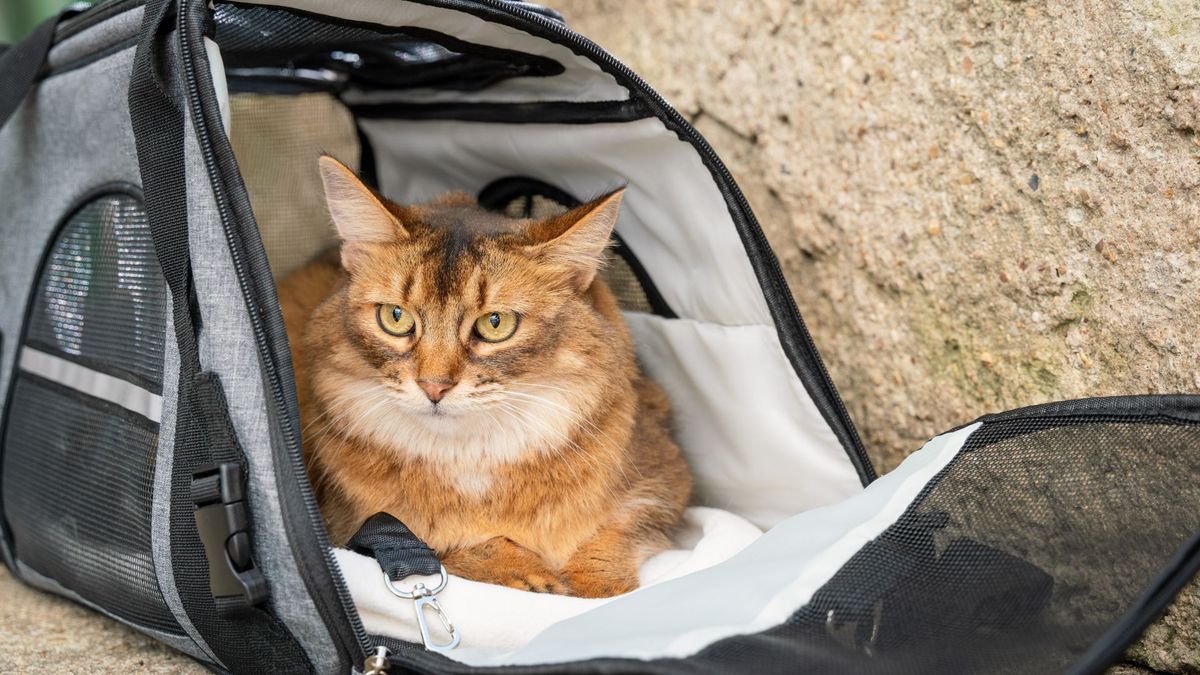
[(539, 112), (306, 533), (30, 299), (97, 365)]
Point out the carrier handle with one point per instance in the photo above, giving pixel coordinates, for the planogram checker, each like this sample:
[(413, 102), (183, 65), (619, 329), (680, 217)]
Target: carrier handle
[(20, 64)]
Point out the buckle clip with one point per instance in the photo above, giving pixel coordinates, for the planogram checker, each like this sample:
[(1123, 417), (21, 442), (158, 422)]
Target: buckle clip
[(223, 523)]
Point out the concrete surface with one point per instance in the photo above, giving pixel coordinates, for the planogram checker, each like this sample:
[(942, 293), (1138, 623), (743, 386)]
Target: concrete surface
[(41, 633)]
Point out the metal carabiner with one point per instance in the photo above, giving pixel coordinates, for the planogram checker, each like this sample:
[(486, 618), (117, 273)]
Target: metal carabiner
[(431, 601), (422, 597)]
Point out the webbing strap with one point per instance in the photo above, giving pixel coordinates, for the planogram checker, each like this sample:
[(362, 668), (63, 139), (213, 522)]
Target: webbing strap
[(245, 638), (397, 550), (19, 66)]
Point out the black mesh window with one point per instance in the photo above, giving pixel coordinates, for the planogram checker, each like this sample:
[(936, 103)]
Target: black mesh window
[(78, 458), (102, 296), (1021, 555)]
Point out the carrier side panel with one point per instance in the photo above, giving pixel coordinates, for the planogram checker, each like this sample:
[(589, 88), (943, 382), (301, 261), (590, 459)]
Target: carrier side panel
[(83, 319)]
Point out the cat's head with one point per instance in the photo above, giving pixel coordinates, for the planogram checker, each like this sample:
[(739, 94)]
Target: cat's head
[(456, 320)]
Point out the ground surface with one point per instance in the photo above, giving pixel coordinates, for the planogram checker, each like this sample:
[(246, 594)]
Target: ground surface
[(40, 633)]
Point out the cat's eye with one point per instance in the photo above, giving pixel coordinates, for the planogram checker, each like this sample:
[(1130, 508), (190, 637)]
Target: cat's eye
[(395, 320), (496, 326)]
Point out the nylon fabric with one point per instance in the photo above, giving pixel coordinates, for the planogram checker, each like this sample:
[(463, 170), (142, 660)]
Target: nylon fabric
[(399, 552)]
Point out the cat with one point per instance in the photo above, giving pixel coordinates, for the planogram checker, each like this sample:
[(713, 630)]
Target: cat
[(469, 374)]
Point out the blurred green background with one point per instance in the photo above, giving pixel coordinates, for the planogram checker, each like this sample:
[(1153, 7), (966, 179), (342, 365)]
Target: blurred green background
[(17, 17)]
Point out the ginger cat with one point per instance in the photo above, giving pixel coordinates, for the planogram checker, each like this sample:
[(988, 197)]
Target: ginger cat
[(469, 374)]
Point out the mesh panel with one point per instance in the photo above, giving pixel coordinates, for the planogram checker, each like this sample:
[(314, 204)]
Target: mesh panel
[(102, 295), (1029, 546), (277, 140), (78, 484), (79, 471)]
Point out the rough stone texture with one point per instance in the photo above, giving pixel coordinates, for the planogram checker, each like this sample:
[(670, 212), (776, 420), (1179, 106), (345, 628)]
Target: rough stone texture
[(42, 633), (979, 206)]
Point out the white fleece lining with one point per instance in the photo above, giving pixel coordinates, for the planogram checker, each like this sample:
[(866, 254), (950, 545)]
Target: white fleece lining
[(754, 439), (755, 590), (93, 383)]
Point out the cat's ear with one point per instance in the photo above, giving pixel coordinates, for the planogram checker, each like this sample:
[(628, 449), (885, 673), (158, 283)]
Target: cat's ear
[(577, 239), (358, 214)]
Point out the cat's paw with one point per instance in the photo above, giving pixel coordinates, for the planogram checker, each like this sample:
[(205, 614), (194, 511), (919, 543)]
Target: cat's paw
[(600, 583), (503, 562), (537, 582)]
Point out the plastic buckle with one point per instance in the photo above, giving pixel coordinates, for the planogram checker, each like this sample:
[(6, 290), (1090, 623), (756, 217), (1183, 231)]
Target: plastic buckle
[(223, 522)]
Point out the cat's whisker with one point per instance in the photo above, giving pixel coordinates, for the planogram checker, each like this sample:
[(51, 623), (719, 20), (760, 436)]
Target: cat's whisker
[(565, 439), (594, 432)]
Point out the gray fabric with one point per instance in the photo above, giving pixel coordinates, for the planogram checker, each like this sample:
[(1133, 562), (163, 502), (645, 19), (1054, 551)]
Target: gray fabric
[(161, 515), (33, 578), (71, 135), (101, 36), (228, 348)]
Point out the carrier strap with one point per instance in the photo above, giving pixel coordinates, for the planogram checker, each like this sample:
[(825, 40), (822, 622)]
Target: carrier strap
[(221, 605), (397, 550), (19, 66)]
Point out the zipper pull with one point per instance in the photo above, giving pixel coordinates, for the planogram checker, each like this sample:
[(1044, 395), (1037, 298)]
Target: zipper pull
[(377, 663)]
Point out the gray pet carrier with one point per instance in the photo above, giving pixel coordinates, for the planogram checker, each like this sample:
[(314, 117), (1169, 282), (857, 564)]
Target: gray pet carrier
[(158, 173)]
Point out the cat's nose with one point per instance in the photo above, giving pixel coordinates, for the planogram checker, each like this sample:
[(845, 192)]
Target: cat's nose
[(435, 389)]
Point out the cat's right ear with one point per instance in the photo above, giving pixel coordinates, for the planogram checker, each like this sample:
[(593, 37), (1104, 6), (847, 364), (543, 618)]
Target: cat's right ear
[(358, 214)]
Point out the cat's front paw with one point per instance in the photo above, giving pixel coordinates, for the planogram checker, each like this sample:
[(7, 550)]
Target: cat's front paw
[(503, 562), (537, 582), (600, 583)]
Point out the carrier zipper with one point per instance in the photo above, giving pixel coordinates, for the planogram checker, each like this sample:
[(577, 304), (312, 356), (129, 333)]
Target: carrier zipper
[(780, 301), (360, 648)]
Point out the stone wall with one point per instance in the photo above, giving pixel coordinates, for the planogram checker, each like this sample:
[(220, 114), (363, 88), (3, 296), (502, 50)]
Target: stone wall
[(979, 205)]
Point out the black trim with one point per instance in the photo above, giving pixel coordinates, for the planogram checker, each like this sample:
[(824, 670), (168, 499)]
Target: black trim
[(501, 192), (75, 206), (255, 51), (96, 365), (540, 112)]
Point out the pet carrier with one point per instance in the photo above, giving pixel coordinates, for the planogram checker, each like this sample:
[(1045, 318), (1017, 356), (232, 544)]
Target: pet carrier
[(158, 171)]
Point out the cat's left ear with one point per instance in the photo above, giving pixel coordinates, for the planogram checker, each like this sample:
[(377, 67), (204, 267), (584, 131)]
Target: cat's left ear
[(577, 239)]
